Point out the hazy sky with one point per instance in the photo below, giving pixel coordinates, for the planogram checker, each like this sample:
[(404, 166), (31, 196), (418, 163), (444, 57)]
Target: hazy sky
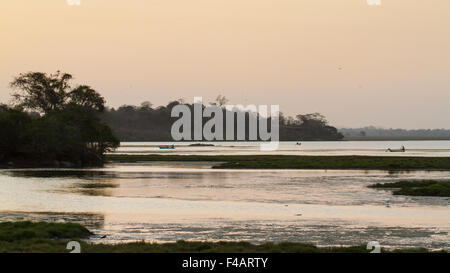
[(357, 64)]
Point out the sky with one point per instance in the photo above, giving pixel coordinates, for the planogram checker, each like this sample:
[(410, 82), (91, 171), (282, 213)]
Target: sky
[(359, 65)]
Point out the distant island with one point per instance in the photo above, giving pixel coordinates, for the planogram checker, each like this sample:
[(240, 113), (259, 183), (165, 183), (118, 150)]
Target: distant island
[(375, 133), (148, 123)]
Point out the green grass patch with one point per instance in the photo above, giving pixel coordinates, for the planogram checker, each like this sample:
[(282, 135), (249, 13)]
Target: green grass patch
[(417, 188), (299, 162), (17, 231)]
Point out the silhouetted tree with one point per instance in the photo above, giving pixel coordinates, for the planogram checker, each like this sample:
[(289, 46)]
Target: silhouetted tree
[(67, 128), (132, 123), (45, 93)]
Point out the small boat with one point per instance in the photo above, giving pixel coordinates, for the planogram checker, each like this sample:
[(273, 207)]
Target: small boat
[(401, 150), (201, 145), (168, 147), (388, 203)]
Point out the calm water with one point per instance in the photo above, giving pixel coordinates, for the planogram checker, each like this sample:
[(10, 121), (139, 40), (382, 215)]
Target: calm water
[(168, 202), (375, 148)]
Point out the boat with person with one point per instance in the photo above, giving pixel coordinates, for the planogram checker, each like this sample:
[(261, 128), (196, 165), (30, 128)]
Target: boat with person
[(401, 150)]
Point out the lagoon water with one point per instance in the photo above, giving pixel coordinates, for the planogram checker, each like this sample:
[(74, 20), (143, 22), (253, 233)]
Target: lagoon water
[(163, 202), (371, 148)]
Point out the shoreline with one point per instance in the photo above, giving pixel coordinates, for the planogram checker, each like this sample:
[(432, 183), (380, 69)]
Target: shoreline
[(29, 164), (255, 162), (387, 163), (44, 237)]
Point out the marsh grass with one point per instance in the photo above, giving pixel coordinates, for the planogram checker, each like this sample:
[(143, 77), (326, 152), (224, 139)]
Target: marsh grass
[(97, 185), (19, 231), (300, 162), (417, 188)]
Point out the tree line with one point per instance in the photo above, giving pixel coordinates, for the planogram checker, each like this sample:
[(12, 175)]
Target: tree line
[(50, 122), (148, 123), (376, 133)]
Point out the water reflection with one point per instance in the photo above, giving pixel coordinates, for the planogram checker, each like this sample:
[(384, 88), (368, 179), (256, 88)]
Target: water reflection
[(94, 188), (60, 173), (185, 181), (171, 201)]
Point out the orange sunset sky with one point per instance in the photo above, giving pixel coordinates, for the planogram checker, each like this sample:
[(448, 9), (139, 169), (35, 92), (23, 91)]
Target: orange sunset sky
[(357, 64)]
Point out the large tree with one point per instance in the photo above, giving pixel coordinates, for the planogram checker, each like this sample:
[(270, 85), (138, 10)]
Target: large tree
[(51, 92), (67, 129)]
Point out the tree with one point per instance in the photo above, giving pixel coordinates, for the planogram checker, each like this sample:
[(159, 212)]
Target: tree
[(146, 105), (41, 92), (13, 122), (46, 93), (314, 117), (87, 97), (220, 101), (68, 127), (96, 135)]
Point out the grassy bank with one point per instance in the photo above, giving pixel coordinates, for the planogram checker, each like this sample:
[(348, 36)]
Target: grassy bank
[(27, 237), (394, 138), (300, 162), (417, 188)]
